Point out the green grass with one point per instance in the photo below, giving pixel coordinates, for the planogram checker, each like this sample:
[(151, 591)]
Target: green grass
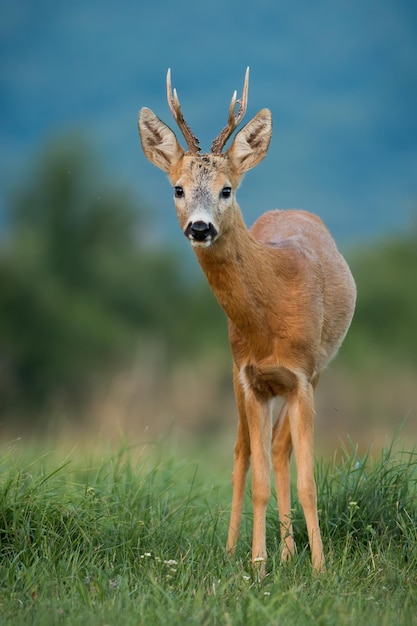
[(138, 538)]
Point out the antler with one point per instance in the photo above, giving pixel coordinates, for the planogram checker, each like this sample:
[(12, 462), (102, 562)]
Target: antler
[(234, 120), (174, 105)]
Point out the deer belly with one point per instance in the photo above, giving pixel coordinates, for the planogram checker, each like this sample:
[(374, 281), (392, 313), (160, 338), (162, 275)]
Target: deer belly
[(268, 382)]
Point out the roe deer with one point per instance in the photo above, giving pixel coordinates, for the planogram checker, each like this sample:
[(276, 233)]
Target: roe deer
[(289, 297)]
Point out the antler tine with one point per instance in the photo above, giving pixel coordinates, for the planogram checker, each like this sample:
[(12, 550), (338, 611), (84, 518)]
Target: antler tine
[(233, 120), (174, 105)]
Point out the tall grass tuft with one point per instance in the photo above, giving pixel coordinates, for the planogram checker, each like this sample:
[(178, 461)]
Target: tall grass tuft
[(139, 539), (365, 499)]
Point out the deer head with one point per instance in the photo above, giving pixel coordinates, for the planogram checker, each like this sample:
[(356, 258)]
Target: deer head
[(205, 184)]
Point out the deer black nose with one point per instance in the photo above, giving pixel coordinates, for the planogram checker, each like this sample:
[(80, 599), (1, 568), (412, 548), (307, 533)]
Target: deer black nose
[(200, 231)]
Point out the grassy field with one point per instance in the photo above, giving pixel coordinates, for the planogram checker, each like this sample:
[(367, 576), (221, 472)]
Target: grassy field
[(137, 537)]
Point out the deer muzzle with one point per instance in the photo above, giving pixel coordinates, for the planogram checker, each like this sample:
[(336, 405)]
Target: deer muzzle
[(200, 233)]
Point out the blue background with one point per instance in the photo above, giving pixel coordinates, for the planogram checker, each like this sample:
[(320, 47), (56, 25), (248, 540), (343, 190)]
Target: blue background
[(340, 78)]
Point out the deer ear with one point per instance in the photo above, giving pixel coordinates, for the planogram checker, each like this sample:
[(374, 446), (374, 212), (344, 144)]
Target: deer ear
[(159, 142), (251, 143)]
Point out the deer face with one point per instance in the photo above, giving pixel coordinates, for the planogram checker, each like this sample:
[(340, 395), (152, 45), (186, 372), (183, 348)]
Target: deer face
[(205, 185), (204, 196)]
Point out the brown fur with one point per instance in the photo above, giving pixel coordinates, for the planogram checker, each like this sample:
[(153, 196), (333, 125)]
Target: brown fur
[(289, 297)]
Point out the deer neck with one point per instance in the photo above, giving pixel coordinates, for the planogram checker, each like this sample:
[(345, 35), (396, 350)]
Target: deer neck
[(235, 269)]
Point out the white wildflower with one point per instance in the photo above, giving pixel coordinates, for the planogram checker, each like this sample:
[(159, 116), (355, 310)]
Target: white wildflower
[(146, 555), (354, 506)]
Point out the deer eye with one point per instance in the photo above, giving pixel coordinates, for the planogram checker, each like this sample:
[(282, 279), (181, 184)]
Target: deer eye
[(178, 192), (226, 192)]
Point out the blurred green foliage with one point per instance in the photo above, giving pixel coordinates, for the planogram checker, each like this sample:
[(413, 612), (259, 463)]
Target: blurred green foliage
[(82, 293), (384, 329)]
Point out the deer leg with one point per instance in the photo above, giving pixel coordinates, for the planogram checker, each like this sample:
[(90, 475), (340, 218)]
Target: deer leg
[(241, 465), (260, 429), (301, 417), (281, 455)]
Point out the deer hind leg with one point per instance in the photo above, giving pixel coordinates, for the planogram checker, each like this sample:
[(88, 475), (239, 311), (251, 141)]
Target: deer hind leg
[(241, 465), (301, 418), (281, 455)]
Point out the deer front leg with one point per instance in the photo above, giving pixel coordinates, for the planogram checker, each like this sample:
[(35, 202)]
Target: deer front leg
[(281, 455), (301, 417), (240, 467), (260, 430)]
